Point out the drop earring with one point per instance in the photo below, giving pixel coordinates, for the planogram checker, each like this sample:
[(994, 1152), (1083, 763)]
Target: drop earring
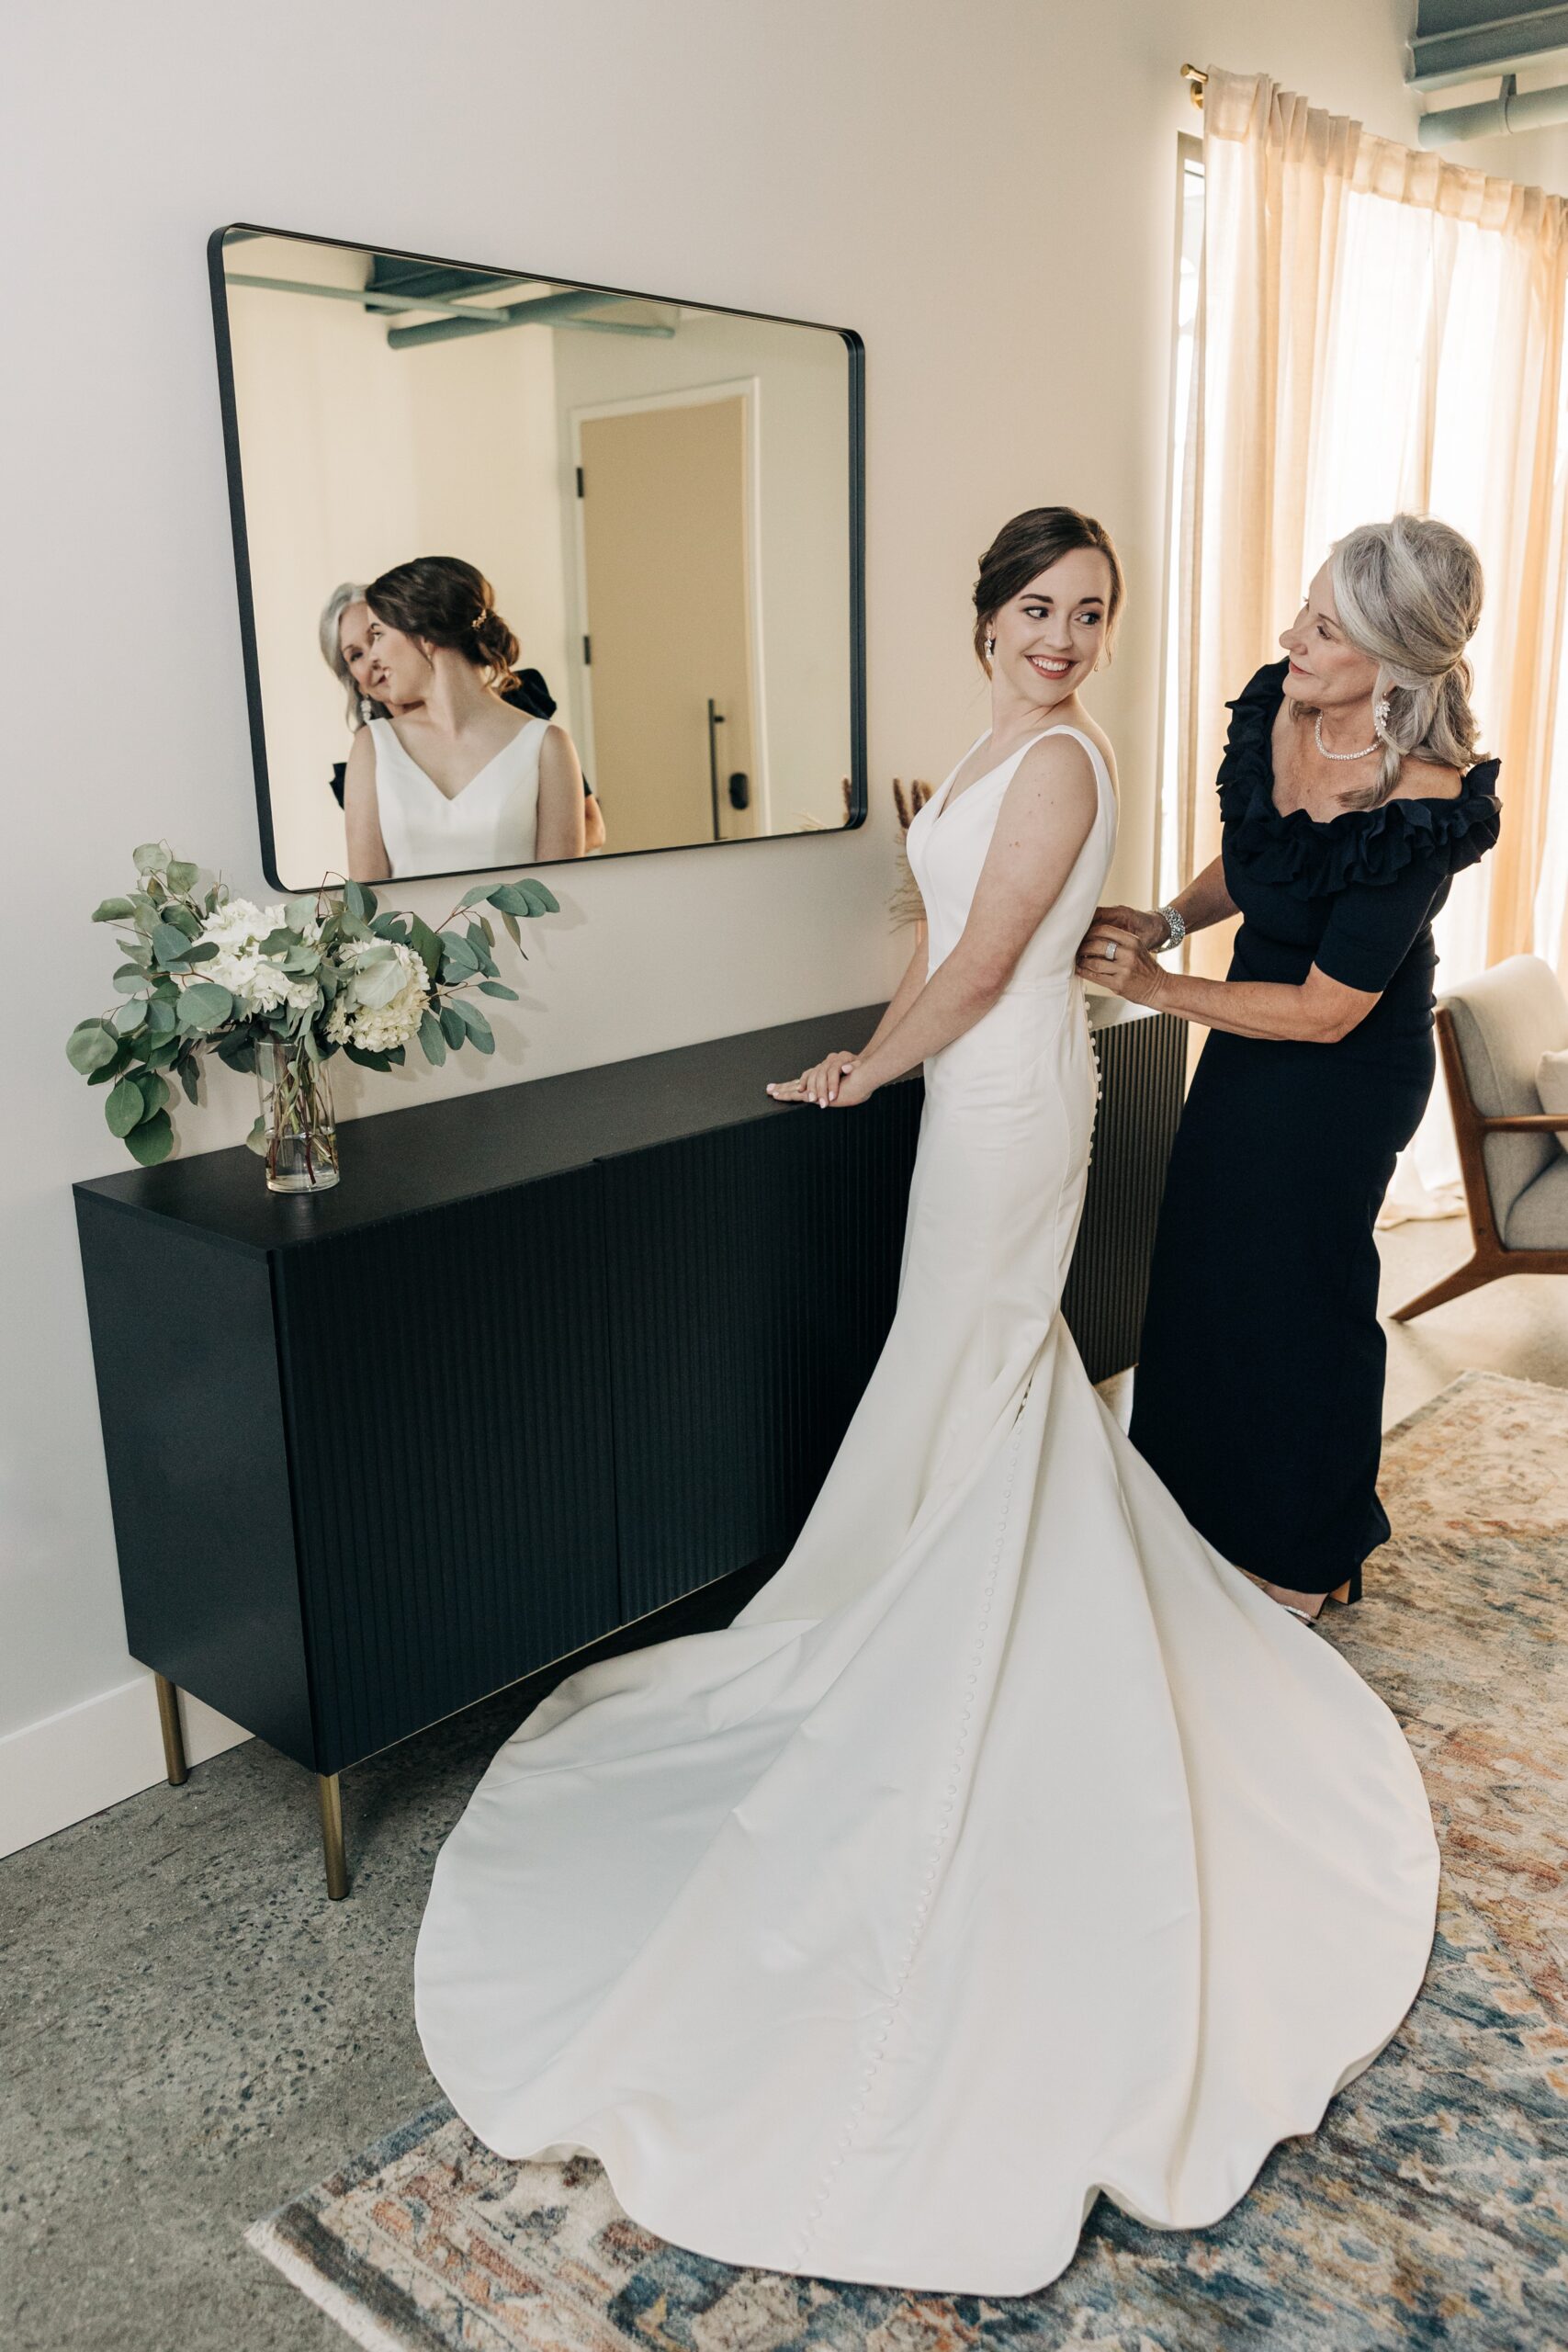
[(990, 646)]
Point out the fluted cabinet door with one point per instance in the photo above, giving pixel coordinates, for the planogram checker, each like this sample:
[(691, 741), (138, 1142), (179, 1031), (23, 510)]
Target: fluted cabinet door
[(445, 1401), (1142, 1064), (751, 1278), (552, 1356), (184, 1345)]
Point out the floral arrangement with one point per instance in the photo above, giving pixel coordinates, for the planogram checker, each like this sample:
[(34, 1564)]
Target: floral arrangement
[(279, 990)]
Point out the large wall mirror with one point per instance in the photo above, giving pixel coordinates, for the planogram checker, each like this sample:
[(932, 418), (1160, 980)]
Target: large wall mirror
[(503, 540)]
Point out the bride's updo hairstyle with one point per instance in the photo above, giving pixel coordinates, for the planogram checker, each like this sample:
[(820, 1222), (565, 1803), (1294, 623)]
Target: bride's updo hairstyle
[(449, 602), (1408, 596), (1028, 546)]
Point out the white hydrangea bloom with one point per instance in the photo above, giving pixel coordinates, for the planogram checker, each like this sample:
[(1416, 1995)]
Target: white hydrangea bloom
[(258, 983), (235, 969), (238, 922), (268, 986), (378, 1028)]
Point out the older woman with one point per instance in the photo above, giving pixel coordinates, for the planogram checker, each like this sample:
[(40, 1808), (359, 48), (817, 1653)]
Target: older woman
[(1350, 801)]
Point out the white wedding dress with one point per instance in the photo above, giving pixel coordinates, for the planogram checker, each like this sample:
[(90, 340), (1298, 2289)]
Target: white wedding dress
[(1009, 1847)]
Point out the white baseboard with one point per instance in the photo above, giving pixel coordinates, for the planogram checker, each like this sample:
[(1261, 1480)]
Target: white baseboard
[(73, 1764)]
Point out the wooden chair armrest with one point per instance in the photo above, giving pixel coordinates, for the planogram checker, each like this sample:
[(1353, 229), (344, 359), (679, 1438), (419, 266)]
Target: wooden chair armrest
[(1529, 1123)]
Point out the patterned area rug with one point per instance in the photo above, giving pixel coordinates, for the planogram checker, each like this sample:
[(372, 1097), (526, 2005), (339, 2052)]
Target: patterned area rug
[(1431, 2208)]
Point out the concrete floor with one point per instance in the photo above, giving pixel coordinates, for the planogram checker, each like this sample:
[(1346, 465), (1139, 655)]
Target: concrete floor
[(189, 2031)]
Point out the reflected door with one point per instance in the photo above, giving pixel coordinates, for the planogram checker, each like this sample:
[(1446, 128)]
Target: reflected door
[(670, 617)]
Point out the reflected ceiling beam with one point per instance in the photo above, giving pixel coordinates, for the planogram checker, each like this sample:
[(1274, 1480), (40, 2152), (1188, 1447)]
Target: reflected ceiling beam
[(397, 273), (466, 317), (569, 310), (363, 294)]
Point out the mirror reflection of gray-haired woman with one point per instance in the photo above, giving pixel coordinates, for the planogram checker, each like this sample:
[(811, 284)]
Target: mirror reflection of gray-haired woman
[(1350, 801), (349, 636), (342, 635)]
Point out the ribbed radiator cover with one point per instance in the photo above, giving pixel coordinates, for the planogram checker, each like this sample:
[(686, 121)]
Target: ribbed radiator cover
[(1143, 1068)]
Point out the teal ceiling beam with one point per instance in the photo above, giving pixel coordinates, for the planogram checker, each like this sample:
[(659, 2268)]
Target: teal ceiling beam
[(545, 311), (362, 295), (1511, 109), (464, 318), (1469, 41)]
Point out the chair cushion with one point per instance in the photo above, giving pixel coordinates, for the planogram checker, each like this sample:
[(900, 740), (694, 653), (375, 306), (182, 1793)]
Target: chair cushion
[(1539, 1219), (1504, 1020), (1551, 1085)]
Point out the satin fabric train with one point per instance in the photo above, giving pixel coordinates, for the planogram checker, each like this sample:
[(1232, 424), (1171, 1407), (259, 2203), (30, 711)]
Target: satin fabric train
[(1009, 1848)]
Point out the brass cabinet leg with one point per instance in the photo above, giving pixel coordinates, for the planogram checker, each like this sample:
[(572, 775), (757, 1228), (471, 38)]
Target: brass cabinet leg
[(331, 1799), (169, 1723)]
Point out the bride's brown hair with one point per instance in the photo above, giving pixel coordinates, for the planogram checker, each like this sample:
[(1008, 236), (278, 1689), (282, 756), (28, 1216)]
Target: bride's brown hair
[(449, 602), (1029, 545)]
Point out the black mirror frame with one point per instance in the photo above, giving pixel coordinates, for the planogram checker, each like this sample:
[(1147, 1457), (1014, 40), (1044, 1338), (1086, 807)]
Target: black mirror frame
[(855, 351)]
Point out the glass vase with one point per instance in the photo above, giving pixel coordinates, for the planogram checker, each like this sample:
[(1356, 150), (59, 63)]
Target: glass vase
[(296, 1118)]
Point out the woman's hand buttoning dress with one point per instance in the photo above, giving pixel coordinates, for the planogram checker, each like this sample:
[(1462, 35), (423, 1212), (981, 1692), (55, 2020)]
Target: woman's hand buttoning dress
[(968, 1874), (1350, 801)]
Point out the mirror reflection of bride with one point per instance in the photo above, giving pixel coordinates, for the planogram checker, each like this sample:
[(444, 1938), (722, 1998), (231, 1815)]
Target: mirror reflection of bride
[(447, 777)]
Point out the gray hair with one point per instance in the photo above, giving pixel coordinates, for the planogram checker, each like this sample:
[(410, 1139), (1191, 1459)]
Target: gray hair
[(1408, 596), (328, 633)]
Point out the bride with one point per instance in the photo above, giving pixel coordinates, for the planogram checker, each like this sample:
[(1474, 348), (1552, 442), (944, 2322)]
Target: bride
[(1009, 1848)]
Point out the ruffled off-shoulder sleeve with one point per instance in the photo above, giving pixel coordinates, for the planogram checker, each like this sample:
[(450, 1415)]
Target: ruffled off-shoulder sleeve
[(1370, 847)]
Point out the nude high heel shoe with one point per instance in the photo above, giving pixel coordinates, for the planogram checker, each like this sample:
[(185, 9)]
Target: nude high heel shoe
[(1310, 1616)]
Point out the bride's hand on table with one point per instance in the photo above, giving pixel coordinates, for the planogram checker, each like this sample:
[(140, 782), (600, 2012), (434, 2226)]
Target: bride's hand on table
[(832, 1084), (1118, 959)]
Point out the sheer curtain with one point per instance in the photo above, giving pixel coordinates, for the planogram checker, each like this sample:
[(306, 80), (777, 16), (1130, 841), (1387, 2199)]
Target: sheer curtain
[(1380, 329)]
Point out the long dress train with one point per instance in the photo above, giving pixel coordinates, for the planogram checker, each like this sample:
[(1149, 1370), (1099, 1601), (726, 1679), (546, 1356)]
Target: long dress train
[(1009, 1847)]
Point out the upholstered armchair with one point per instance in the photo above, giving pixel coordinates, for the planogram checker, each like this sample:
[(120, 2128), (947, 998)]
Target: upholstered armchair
[(1492, 1034)]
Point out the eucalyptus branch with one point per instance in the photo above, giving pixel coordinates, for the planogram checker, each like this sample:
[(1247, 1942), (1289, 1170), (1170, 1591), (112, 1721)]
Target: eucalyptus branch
[(367, 991)]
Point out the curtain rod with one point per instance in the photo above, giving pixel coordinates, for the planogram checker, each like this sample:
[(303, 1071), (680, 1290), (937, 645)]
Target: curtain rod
[(1197, 82)]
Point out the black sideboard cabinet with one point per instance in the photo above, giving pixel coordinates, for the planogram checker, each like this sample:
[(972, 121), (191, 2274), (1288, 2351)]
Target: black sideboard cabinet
[(552, 1356)]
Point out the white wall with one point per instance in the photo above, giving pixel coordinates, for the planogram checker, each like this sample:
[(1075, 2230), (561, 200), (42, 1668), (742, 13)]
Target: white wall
[(984, 191)]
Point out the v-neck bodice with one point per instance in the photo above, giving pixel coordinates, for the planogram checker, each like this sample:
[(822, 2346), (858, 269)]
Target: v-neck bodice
[(492, 822), (948, 850)]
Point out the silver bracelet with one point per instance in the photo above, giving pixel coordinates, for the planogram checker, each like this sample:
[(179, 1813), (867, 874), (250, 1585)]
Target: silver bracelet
[(1176, 926)]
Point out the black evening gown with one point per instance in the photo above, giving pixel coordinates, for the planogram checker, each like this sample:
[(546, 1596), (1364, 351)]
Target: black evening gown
[(1258, 1394)]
